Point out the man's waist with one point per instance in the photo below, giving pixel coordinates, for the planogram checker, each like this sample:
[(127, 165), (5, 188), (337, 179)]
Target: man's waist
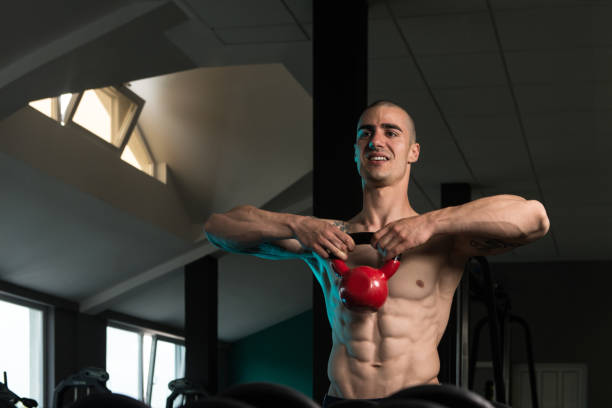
[(369, 389), (390, 352)]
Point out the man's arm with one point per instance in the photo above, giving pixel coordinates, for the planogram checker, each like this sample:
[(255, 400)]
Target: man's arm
[(487, 226), (492, 225), (247, 229)]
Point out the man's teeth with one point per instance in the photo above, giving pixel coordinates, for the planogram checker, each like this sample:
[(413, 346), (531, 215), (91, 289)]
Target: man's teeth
[(378, 158)]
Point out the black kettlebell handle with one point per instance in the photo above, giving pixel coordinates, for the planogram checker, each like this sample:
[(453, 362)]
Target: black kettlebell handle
[(364, 238)]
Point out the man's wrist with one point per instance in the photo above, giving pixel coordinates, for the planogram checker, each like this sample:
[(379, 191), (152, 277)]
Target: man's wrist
[(291, 222), (438, 221)]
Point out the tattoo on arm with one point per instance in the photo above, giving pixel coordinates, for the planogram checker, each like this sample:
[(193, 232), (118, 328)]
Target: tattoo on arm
[(490, 244), (342, 226)]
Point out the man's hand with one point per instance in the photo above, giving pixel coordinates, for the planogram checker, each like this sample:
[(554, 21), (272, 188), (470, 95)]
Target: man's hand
[(402, 235), (323, 237)]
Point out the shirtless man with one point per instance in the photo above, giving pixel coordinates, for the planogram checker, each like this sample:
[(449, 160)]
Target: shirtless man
[(376, 354)]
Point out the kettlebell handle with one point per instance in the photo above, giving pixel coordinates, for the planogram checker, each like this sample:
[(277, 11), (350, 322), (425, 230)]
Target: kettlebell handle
[(364, 238)]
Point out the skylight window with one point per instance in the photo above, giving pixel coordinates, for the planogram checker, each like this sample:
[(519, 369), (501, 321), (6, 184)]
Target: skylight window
[(109, 113)]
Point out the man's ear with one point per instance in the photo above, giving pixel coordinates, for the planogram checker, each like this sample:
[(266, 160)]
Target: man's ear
[(413, 154), (356, 155)]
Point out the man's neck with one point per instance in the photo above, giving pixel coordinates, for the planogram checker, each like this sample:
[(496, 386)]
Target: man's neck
[(382, 205)]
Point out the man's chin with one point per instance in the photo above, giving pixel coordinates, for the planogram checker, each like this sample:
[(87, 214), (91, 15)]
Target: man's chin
[(377, 180)]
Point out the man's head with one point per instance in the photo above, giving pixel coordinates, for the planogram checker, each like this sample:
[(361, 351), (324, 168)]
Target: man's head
[(386, 144)]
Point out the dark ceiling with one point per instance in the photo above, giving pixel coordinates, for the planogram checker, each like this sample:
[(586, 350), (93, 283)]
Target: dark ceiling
[(512, 98)]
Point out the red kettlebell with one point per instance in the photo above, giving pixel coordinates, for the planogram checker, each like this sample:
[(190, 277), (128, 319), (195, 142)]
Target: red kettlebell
[(364, 287)]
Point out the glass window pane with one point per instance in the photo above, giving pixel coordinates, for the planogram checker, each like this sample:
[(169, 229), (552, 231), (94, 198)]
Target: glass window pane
[(21, 349), (122, 349), (128, 156), (146, 359), (93, 113), (179, 365), (36, 355), (169, 365), (137, 154), (44, 106), (105, 112)]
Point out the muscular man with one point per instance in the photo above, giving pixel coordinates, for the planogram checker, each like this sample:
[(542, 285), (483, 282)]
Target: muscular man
[(376, 353)]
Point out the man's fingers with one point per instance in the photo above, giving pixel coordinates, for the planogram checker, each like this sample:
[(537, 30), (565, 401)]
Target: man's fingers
[(337, 242), (393, 248), (338, 253), (391, 245), (348, 240), (320, 251), (378, 235), (384, 243)]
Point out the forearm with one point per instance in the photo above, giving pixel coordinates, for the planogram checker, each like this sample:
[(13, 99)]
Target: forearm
[(248, 227), (506, 218)]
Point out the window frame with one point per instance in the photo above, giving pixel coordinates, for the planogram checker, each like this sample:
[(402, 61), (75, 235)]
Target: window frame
[(153, 355), (140, 361), (155, 335), (46, 367), (127, 131)]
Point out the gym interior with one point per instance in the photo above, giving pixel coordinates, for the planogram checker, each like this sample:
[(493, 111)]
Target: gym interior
[(125, 124)]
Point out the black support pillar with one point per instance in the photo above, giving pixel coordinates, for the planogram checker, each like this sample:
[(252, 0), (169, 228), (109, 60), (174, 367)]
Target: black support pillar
[(453, 347), (339, 95), (201, 306), (76, 341)]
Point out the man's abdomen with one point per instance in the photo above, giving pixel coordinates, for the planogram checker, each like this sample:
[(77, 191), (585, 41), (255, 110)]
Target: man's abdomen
[(354, 377)]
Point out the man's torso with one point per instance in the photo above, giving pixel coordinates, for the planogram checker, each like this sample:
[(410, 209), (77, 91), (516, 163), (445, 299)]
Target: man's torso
[(377, 353)]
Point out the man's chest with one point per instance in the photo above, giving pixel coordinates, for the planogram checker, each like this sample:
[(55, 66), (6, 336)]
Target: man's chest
[(423, 271)]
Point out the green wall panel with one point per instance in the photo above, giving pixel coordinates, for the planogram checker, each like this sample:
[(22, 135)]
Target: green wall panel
[(280, 354)]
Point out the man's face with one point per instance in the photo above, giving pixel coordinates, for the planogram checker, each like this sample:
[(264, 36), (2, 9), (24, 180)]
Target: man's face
[(384, 148)]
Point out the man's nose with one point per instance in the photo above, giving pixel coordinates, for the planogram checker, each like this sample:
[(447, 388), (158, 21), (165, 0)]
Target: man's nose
[(376, 140)]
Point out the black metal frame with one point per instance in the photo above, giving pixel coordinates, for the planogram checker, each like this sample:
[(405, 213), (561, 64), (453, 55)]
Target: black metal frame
[(494, 330), (530, 360), (496, 337)]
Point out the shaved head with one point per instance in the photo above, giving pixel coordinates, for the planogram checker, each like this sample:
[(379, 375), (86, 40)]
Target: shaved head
[(408, 122)]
